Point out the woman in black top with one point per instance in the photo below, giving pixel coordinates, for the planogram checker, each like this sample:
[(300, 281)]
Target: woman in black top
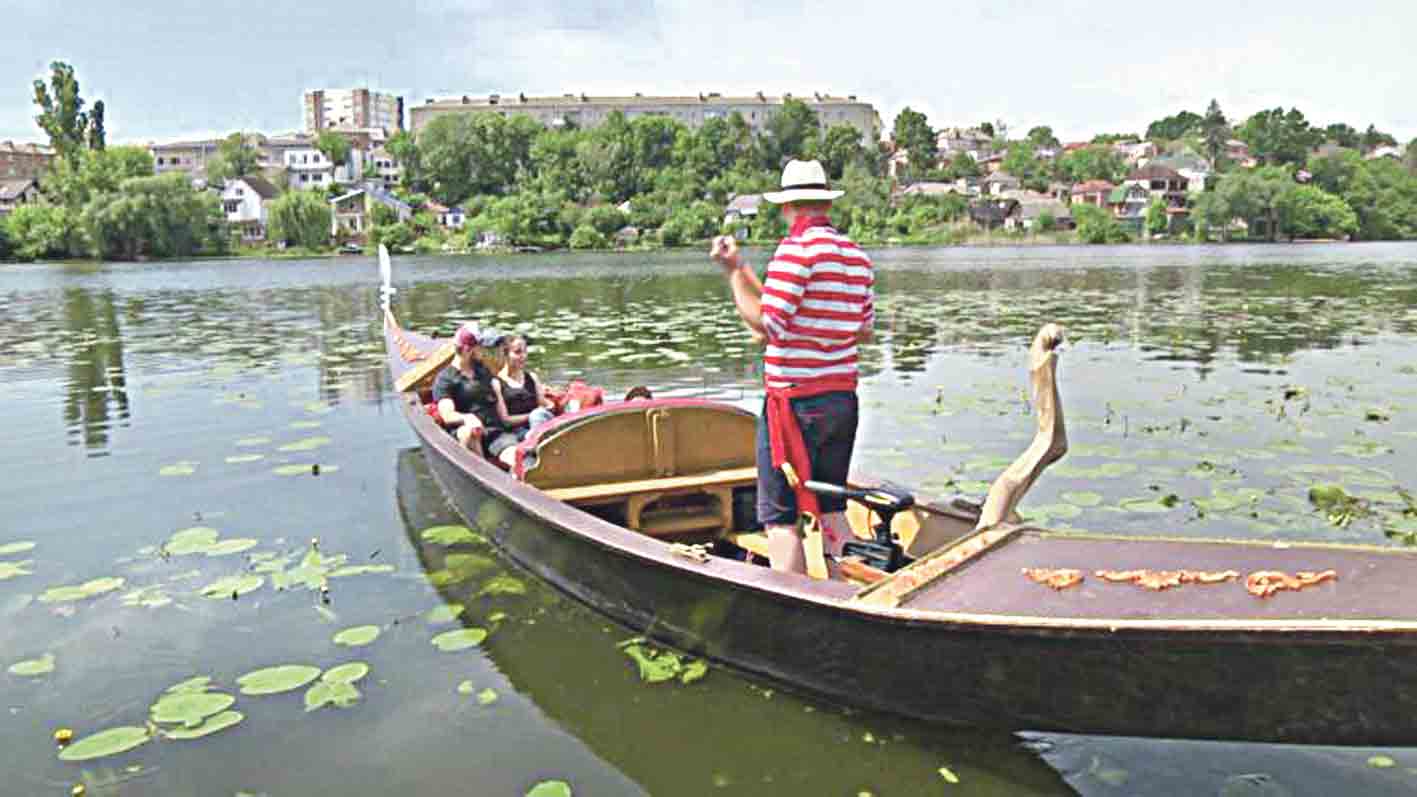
[(520, 401), (467, 403)]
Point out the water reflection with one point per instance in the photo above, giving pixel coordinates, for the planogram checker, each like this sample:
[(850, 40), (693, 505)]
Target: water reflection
[(720, 735), (97, 383)]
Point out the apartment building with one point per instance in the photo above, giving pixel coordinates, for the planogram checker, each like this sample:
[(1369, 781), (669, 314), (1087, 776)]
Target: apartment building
[(347, 109), (190, 157), (589, 111), (24, 161)]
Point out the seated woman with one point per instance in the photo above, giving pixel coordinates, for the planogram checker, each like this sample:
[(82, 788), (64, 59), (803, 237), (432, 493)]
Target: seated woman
[(520, 401), (467, 402)]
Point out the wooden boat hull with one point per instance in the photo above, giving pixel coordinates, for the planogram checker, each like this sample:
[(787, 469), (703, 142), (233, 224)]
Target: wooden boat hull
[(1307, 681)]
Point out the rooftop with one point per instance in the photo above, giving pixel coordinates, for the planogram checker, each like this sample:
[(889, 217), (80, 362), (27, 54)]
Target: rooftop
[(11, 189), (585, 99)]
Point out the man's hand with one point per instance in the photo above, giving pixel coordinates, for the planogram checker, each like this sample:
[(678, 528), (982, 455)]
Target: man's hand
[(725, 253)]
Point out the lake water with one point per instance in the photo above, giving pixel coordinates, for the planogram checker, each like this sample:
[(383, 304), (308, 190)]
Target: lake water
[(1205, 389)]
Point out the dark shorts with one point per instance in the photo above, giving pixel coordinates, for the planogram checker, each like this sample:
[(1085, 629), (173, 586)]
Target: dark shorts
[(828, 424)]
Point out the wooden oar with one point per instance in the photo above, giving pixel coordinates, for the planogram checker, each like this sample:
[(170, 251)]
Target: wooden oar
[(1049, 444)]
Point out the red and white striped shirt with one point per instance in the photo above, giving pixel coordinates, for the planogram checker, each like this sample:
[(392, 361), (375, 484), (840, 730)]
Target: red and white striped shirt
[(816, 298)]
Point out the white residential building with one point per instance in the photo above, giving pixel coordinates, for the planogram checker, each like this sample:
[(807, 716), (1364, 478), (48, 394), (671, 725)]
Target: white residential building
[(346, 109), (246, 202)]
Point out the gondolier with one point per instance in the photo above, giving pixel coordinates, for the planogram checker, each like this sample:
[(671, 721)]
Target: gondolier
[(812, 309)]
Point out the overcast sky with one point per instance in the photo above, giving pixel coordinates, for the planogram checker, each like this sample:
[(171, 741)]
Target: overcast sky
[(173, 68)]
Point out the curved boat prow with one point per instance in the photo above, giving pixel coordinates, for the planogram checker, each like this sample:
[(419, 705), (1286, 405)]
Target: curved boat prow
[(386, 277), (1049, 444)]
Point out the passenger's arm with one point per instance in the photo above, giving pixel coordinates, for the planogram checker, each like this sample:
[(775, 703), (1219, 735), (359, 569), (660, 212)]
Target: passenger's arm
[(509, 420), (542, 400)]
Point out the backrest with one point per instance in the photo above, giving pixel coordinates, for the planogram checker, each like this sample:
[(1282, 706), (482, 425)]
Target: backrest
[(634, 440)]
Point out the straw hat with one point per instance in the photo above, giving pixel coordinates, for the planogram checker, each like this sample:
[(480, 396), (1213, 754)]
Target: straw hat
[(802, 181)]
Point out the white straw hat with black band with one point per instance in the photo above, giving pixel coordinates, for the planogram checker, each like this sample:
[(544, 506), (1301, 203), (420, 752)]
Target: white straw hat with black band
[(803, 181)]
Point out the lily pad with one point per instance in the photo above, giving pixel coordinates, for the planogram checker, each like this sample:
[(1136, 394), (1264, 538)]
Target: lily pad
[(233, 586), (503, 585), (231, 546), (197, 539), (10, 570), (241, 459), (466, 688), (274, 680), (446, 613), (88, 589), (360, 570), (327, 693), (190, 708), (16, 547), (1381, 762), (693, 671), (461, 639), (106, 743), (197, 683), (306, 444), (1082, 498), (356, 636), (346, 673), (178, 469), (255, 440), (1145, 504), (450, 535), (34, 667), (217, 722), (150, 597), (486, 697), (491, 514), (297, 470), (550, 788)]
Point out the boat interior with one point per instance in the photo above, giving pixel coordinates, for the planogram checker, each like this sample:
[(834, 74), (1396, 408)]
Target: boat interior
[(684, 471)]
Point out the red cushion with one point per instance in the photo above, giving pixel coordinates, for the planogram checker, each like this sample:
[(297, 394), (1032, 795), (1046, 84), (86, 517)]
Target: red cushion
[(432, 409)]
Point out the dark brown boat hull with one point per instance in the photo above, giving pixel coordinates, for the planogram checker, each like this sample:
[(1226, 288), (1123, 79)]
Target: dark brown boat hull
[(1352, 688)]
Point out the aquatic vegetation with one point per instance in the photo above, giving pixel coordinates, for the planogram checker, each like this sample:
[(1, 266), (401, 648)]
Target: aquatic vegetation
[(211, 725), (34, 667), (274, 680), (11, 548), (550, 788), (503, 585), (306, 444), (88, 589), (461, 639), (198, 539), (336, 687), (314, 469), (450, 535), (446, 613), (189, 707), (9, 570), (657, 665), (357, 636), (233, 586), (183, 468), (106, 743)]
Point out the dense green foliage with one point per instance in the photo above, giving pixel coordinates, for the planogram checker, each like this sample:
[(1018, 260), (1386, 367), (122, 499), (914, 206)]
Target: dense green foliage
[(153, 217), (62, 117), (300, 218), (333, 146), (1096, 226), (237, 156)]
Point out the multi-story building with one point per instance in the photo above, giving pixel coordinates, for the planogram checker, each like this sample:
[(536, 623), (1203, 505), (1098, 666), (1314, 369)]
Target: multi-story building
[(24, 161), (190, 157), (344, 109), (590, 111)]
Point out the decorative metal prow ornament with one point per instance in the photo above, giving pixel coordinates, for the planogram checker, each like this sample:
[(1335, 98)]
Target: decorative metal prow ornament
[(1049, 444)]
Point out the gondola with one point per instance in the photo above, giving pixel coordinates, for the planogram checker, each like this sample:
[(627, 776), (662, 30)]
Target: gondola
[(955, 611)]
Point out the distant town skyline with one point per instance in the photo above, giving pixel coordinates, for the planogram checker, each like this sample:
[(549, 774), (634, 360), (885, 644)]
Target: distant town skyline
[(168, 70)]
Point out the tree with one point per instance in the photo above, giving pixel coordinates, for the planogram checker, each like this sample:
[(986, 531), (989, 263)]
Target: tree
[(912, 133), (1254, 195), (74, 181), (1373, 138), (160, 216), (961, 165), (790, 133), (97, 138), (1171, 128), (1156, 221), (40, 232), (1021, 162), (1042, 138), (461, 155), (62, 116), (1307, 211), (333, 146), (1276, 137), (404, 148), (1096, 226), (301, 218), (1093, 162), (840, 147), (1215, 132), (1410, 159), (1343, 135), (236, 156), (1211, 211)]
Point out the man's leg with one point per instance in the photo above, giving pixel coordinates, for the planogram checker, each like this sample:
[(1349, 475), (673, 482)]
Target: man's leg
[(777, 508)]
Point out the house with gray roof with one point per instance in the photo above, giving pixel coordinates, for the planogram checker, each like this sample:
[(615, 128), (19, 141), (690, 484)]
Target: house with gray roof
[(14, 193), (246, 202)]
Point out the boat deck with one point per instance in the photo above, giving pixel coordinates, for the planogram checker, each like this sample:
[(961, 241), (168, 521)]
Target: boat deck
[(1369, 584)]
